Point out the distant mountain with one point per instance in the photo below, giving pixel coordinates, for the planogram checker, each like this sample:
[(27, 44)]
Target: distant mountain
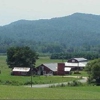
[(77, 29)]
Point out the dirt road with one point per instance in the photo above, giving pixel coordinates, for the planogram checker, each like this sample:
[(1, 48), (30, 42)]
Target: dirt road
[(83, 80)]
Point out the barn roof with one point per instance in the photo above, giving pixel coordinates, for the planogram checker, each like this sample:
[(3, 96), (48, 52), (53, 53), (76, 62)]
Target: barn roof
[(67, 69), (51, 66), (80, 59), (80, 64), (21, 69)]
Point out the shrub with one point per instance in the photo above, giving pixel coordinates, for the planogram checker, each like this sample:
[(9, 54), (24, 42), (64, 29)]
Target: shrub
[(74, 83), (77, 72), (52, 86), (8, 82), (28, 83), (59, 85)]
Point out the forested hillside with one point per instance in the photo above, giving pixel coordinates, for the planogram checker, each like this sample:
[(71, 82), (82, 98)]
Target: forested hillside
[(74, 32)]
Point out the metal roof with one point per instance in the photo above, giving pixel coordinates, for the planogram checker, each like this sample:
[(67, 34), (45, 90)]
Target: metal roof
[(21, 69), (52, 66), (80, 64), (80, 59), (67, 69)]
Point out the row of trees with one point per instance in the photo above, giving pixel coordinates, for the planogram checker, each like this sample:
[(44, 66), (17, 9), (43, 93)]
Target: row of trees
[(47, 47), (89, 55)]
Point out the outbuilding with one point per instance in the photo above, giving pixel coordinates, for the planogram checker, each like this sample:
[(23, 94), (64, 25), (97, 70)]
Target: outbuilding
[(21, 71), (76, 63), (51, 69)]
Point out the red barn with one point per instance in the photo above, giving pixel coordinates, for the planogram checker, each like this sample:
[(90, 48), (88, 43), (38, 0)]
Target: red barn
[(51, 69), (20, 71)]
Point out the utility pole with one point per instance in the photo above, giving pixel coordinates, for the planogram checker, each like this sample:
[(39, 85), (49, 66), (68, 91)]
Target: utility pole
[(31, 75)]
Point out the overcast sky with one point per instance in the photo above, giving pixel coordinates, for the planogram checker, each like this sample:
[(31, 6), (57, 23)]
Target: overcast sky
[(13, 10)]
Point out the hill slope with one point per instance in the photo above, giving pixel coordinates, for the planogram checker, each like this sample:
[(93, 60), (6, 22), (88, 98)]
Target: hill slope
[(73, 30)]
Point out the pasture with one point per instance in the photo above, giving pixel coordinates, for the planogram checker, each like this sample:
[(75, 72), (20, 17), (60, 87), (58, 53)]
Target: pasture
[(19, 92), (7, 79)]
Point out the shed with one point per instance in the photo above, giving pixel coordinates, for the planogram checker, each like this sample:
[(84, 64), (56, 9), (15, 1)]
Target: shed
[(20, 71), (76, 63), (77, 60)]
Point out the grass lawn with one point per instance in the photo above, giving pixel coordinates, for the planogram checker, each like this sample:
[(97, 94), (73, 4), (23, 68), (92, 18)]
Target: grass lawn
[(21, 80), (22, 92), (6, 78), (19, 92), (82, 73), (43, 60)]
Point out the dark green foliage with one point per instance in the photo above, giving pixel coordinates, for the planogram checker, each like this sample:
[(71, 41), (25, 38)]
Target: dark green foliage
[(75, 83), (21, 57), (69, 33), (58, 85), (89, 56), (9, 82), (28, 83), (93, 70)]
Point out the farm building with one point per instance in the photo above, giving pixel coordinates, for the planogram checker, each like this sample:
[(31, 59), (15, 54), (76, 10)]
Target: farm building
[(52, 69), (20, 71), (76, 63)]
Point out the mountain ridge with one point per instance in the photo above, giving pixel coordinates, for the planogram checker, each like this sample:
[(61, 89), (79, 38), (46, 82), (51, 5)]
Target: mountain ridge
[(73, 30)]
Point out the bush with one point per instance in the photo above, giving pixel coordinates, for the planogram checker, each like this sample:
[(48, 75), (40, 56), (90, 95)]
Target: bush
[(74, 83), (7, 82), (59, 85), (28, 83), (52, 86), (77, 72)]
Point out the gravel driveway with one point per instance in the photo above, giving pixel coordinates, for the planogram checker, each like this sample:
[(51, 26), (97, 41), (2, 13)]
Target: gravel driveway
[(83, 80)]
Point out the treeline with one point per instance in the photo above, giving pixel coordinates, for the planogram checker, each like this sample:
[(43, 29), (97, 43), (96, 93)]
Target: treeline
[(89, 56), (38, 46), (56, 49)]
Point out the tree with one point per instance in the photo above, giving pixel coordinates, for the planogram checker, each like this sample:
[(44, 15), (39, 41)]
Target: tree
[(93, 70), (21, 57)]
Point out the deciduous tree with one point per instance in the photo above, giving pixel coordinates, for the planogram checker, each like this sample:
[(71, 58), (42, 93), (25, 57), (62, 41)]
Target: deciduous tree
[(93, 70), (21, 57)]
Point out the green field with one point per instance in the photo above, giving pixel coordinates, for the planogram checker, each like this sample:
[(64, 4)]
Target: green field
[(6, 78), (23, 92), (81, 92), (46, 59)]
